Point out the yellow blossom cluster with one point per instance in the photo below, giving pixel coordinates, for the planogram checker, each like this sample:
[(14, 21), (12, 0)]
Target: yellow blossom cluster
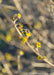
[(25, 39), (17, 16), (39, 57), (23, 31), (44, 57), (25, 36), (20, 26), (38, 44), (28, 34)]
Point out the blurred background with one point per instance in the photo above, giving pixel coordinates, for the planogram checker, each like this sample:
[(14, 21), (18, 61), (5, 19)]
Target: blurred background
[(15, 57)]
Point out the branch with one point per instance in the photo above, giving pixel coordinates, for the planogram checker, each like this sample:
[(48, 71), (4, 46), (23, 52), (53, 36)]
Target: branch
[(7, 6), (37, 53)]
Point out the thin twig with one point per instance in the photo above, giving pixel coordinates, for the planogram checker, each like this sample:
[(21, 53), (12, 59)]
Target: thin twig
[(34, 64), (7, 6)]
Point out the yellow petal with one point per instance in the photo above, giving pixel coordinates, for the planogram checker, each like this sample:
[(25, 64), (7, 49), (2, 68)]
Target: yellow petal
[(21, 29), (22, 33), (21, 53), (39, 58), (38, 44), (28, 34), (21, 26), (44, 57), (25, 39), (19, 15), (19, 37)]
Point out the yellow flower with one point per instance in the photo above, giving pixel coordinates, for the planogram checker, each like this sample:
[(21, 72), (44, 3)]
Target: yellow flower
[(25, 39), (21, 26), (39, 58), (4, 70), (13, 18), (19, 15), (21, 53), (8, 37), (21, 29), (19, 37), (28, 34), (44, 57), (8, 56), (38, 44), (1, 74), (22, 33)]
